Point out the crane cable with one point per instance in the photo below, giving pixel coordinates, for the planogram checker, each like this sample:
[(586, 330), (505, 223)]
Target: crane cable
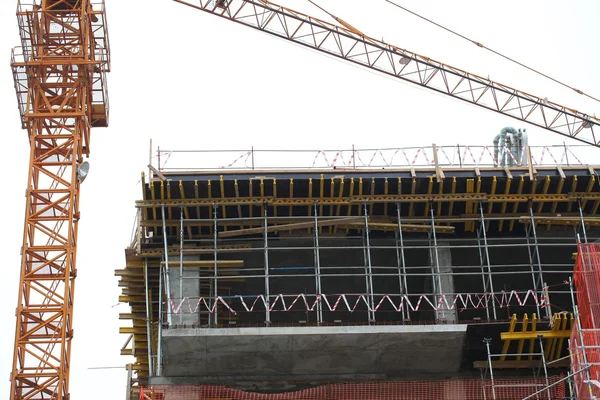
[(493, 51)]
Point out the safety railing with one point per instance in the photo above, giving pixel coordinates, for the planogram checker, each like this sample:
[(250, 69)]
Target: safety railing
[(456, 156)]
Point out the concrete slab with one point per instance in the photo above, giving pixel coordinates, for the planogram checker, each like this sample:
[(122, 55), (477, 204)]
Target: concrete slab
[(194, 355)]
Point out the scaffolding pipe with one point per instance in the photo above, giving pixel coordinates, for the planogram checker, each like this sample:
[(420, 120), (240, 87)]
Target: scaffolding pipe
[(166, 269), (181, 258), (317, 258), (585, 239), (580, 334), (160, 323), (540, 338), (266, 255), (489, 357), (437, 272), (400, 257), (148, 320), (215, 271), (490, 283), (369, 269)]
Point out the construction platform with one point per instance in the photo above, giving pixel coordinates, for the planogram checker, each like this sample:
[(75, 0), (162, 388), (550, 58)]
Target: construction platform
[(340, 274)]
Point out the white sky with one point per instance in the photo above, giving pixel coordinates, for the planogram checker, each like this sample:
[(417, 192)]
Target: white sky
[(187, 79)]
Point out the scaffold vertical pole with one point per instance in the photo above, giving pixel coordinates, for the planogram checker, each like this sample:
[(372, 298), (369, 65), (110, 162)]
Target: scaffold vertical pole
[(489, 358), (369, 266), (489, 286), (585, 239), (317, 257), (181, 260), (148, 319), (400, 257), (436, 276), (534, 257), (543, 355), (215, 270), (160, 322), (166, 269), (579, 328), (266, 257)]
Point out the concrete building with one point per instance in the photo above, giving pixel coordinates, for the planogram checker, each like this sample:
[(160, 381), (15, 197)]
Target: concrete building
[(439, 281)]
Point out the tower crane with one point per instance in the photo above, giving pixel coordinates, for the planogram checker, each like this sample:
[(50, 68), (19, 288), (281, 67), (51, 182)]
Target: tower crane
[(348, 43), (60, 79)]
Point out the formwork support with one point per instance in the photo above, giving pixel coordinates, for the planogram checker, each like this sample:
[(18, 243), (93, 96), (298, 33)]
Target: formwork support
[(317, 259), (533, 251), (401, 260), (215, 280), (582, 221), (266, 258), (181, 258), (579, 328), (484, 257), (166, 270), (148, 319), (368, 266)]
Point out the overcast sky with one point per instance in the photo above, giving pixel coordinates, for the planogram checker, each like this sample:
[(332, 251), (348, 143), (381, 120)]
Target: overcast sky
[(189, 80)]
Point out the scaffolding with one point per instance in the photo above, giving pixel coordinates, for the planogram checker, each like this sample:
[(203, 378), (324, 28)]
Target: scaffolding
[(346, 247)]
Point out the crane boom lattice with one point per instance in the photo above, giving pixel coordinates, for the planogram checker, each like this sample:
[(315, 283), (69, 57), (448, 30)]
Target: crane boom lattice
[(348, 43)]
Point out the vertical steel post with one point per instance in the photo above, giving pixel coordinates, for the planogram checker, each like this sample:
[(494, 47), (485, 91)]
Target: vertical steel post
[(167, 278), (534, 257), (215, 270), (266, 253), (367, 252), (484, 283), (181, 260), (148, 320), (160, 322), (317, 258), (540, 338), (580, 334), (489, 357), (401, 265), (490, 282), (436, 271), (582, 222)]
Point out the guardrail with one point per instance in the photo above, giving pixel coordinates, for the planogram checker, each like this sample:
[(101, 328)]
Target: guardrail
[(386, 158)]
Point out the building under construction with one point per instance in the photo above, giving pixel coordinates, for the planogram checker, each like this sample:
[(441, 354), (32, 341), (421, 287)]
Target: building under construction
[(445, 274)]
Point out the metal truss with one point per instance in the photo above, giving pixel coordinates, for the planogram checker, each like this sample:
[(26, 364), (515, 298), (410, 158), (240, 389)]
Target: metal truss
[(59, 75), (352, 45)]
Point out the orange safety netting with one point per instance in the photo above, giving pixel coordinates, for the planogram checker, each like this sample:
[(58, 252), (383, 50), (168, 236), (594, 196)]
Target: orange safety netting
[(451, 389)]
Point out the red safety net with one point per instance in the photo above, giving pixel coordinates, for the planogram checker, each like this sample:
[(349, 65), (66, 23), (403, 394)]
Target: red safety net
[(451, 389), (585, 343), (587, 283)]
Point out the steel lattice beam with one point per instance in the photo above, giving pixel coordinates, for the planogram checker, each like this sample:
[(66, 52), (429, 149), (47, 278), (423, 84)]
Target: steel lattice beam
[(351, 45)]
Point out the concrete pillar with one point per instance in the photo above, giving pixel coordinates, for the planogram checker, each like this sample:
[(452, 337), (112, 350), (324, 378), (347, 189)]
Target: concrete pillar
[(191, 291), (444, 284)]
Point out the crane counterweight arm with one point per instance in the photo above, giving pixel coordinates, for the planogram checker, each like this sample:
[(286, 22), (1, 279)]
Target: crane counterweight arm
[(350, 44)]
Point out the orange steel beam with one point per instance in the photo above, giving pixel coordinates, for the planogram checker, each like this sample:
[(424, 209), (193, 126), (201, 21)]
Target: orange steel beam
[(59, 72), (348, 43)]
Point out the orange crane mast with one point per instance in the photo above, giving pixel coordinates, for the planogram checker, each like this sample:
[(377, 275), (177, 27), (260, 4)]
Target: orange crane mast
[(348, 43), (59, 71)]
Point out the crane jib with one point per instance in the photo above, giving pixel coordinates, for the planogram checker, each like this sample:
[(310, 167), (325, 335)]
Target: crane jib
[(351, 45)]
